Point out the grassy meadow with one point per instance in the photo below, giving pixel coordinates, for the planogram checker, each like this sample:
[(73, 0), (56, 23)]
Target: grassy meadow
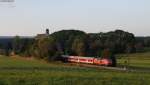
[(136, 60), (20, 71)]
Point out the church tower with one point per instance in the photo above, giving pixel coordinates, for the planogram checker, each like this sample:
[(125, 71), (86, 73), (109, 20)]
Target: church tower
[(47, 31)]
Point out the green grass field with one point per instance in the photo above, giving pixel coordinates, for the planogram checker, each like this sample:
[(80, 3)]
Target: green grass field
[(137, 60), (19, 71)]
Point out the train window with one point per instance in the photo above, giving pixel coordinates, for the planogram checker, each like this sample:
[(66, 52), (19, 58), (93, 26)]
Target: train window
[(82, 59), (90, 60)]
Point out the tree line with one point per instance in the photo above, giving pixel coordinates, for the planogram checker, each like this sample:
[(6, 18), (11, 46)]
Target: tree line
[(75, 42)]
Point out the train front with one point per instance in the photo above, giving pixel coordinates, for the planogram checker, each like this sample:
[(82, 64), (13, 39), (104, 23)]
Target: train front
[(103, 61)]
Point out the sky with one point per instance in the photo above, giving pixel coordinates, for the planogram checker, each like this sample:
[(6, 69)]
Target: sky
[(30, 17)]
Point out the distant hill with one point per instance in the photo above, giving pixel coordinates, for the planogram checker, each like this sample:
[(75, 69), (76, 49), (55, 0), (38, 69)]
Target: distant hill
[(145, 41), (7, 40)]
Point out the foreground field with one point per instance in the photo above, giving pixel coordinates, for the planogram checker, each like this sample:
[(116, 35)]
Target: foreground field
[(19, 71)]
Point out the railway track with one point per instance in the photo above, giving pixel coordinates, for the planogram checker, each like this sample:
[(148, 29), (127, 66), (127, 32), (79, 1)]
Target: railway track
[(100, 67), (111, 68)]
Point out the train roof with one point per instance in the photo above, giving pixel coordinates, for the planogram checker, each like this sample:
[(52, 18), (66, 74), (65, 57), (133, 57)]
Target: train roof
[(67, 56)]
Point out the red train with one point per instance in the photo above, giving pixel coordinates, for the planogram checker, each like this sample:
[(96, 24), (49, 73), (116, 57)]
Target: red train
[(88, 60)]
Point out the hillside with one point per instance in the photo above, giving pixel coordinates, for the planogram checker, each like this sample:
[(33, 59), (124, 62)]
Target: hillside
[(21, 71)]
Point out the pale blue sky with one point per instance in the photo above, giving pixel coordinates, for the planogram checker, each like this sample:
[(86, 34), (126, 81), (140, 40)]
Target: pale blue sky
[(30, 17)]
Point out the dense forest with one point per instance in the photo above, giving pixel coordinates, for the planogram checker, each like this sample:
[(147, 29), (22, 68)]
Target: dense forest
[(74, 42)]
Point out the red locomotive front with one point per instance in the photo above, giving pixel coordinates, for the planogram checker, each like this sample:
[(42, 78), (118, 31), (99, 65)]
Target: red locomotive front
[(102, 61)]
